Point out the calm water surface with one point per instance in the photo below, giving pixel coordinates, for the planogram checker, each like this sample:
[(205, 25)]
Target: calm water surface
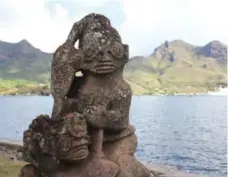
[(186, 132)]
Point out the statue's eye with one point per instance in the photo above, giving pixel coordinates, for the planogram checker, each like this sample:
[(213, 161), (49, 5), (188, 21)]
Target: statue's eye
[(90, 45), (117, 50), (89, 50)]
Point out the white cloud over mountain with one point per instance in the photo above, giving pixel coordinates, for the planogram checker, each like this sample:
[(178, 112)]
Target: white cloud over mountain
[(143, 24)]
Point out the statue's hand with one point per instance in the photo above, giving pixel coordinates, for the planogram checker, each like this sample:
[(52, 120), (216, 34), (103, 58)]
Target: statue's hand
[(69, 54), (68, 44), (95, 116), (66, 47), (76, 58)]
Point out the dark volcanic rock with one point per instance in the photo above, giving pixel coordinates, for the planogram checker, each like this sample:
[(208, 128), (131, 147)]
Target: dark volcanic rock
[(216, 50)]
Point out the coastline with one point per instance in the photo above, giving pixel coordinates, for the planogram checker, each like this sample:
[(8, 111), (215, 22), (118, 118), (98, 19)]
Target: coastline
[(10, 152), (46, 91), (134, 94)]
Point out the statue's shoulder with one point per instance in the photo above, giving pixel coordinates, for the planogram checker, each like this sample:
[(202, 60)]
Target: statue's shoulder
[(124, 85)]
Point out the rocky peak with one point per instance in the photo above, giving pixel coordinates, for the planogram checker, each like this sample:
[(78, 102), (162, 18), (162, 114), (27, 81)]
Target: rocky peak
[(24, 41), (164, 52), (25, 47)]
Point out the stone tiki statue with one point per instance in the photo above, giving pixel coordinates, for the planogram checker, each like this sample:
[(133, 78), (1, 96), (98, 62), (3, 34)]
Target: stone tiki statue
[(88, 133)]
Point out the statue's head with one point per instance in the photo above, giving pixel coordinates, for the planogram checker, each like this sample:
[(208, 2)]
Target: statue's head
[(104, 54), (102, 46)]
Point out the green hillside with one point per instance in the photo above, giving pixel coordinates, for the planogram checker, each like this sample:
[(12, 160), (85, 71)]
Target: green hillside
[(22, 62), (174, 66), (178, 66)]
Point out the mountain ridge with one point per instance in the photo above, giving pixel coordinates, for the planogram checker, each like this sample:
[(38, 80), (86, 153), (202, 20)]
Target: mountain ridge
[(172, 62), (22, 60)]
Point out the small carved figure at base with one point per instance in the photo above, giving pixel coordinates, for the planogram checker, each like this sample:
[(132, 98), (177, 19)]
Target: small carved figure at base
[(49, 141), (59, 148)]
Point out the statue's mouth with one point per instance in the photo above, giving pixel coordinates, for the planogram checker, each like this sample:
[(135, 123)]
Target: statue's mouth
[(105, 67), (80, 153), (76, 153)]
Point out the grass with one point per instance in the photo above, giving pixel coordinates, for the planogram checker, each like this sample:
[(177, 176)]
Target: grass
[(189, 73), (171, 69), (10, 168), (137, 89), (7, 84), (20, 86), (148, 85)]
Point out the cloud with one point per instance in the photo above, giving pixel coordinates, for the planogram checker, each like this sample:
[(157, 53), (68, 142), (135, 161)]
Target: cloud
[(148, 23), (44, 23), (32, 20), (141, 19), (143, 24)]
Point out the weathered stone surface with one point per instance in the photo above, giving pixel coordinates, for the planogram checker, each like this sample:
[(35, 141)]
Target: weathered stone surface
[(11, 148), (88, 133), (53, 140), (29, 171)]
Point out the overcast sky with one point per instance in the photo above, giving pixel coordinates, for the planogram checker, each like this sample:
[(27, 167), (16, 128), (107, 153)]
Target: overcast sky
[(143, 24)]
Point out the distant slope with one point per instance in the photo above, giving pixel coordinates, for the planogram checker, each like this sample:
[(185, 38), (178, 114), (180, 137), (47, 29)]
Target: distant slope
[(214, 49), (24, 62), (178, 64), (174, 66)]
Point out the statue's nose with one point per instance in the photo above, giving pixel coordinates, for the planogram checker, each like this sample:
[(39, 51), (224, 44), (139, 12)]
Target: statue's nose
[(100, 54), (102, 57)]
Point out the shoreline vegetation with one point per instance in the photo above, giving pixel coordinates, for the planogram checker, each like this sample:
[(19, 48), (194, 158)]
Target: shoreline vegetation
[(174, 67), (18, 88), (11, 162), (44, 90)]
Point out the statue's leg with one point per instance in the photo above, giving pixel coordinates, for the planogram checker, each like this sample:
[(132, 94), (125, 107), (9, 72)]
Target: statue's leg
[(63, 106), (57, 108), (29, 170), (122, 153)]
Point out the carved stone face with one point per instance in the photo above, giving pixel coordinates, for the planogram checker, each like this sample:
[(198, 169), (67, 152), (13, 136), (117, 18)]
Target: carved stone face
[(72, 141), (65, 139), (103, 55)]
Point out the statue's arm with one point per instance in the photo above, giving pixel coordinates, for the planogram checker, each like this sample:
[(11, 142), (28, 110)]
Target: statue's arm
[(76, 31), (62, 107), (115, 118), (66, 62)]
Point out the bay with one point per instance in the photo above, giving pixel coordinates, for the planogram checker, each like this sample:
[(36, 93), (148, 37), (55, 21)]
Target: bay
[(189, 133)]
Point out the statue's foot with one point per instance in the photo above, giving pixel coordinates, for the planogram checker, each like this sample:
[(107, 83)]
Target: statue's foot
[(99, 155), (91, 167), (131, 167), (102, 168), (29, 170)]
